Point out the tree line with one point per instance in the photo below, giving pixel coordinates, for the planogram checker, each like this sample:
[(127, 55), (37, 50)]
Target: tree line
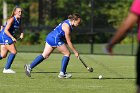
[(95, 13)]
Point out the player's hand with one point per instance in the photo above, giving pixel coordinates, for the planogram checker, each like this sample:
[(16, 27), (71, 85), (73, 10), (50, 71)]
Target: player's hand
[(76, 54), (21, 36), (108, 49), (14, 39)]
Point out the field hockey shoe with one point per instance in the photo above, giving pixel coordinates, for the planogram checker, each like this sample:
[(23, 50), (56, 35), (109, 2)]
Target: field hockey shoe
[(8, 71), (27, 70), (66, 75)]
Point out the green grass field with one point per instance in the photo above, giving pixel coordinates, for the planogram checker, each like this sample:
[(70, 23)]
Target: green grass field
[(118, 75)]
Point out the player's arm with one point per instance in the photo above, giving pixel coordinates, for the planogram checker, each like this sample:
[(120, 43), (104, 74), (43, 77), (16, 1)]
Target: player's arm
[(130, 20), (22, 32), (9, 23), (66, 29)]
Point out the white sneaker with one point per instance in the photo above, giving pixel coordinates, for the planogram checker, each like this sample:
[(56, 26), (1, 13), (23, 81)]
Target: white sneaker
[(8, 71), (27, 70), (66, 75)]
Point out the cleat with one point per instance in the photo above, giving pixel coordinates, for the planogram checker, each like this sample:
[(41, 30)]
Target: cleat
[(8, 71), (27, 70), (66, 75)]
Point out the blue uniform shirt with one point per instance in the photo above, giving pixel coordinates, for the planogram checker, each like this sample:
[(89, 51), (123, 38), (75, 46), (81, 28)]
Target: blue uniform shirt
[(4, 38), (57, 36)]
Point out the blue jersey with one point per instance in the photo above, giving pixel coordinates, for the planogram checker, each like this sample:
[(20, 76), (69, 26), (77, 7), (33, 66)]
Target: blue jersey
[(57, 36), (4, 38)]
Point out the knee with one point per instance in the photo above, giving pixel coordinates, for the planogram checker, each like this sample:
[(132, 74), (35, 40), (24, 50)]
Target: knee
[(4, 56), (67, 54), (14, 52), (45, 56)]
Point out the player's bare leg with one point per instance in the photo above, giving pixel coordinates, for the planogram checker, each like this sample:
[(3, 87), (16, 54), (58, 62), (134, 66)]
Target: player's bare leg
[(64, 50), (10, 59)]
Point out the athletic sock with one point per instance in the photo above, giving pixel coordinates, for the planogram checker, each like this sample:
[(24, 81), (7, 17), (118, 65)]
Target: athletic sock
[(0, 57), (10, 60), (64, 64), (37, 61)]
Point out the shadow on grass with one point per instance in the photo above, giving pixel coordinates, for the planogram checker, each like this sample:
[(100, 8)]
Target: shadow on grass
[(56, 72), (103, 78), (121, 78), (44, 72)]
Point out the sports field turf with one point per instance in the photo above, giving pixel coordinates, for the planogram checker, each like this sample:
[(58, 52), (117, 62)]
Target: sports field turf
[(118, 75)]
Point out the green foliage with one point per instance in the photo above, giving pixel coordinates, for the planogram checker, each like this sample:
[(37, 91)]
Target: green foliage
[(106, 14), (66, 7), (42, 36), (24, 4), (102, 37), (28, 38), (1, 9), (131, 38), (31, 37), (116, 11), (33, 14)]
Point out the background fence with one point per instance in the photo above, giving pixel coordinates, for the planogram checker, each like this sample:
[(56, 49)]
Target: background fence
[(88, 48), (100, 19)]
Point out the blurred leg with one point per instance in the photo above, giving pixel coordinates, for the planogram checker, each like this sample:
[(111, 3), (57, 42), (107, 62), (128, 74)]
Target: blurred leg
[(138, 69), (138, 89)]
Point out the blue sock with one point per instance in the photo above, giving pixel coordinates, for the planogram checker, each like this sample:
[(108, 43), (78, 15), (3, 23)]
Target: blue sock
[(0, 57), (10, 60), (64, 64), (36, 61)]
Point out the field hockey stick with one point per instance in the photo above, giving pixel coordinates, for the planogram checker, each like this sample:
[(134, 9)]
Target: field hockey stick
[(90, 69)]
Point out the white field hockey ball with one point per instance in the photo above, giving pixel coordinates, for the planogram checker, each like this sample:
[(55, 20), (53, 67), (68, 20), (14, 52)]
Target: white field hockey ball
[(100, 76)]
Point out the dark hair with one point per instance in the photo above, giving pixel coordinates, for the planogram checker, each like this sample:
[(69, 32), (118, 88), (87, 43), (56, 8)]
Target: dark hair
[(74, 16)]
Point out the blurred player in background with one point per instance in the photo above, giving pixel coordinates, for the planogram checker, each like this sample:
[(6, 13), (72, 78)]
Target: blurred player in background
[(132, 18), (7, 38), (55, 39)]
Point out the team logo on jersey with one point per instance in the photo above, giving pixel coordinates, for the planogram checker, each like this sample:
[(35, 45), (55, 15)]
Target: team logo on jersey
[(16, 27), (6, 42)]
